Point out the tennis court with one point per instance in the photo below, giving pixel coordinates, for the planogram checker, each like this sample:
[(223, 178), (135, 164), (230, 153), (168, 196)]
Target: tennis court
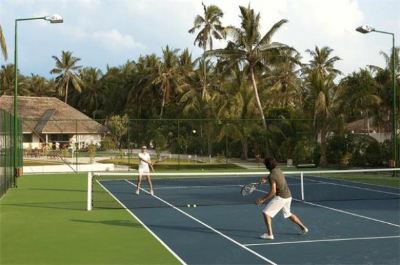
[(349, 222)]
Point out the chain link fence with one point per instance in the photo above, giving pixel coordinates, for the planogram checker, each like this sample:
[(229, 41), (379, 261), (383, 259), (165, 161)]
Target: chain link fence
[(7, 142), (196, 143)]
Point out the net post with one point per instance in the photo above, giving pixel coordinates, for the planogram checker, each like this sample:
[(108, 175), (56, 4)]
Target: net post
[(89, 191), (302, 185)]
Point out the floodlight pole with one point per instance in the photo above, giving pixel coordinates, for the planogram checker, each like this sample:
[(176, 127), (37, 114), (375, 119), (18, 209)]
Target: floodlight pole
[(367, 29), (51, 19)]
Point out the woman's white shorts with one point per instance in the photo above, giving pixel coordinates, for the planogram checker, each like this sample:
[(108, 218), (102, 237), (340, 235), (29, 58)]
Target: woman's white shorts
[(144, 170)]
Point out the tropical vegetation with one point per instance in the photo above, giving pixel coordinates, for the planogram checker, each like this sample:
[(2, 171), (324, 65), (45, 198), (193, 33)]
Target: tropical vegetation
[(256, 96)]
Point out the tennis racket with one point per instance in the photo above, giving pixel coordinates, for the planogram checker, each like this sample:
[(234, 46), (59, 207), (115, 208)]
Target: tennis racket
[(152, 164), (249, 188)]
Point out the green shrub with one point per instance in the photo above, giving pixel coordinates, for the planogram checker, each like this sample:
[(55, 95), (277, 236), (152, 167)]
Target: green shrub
[(92, 152), (306, 151), (108, 143), (373, 154), (357, 145), (337, 150)]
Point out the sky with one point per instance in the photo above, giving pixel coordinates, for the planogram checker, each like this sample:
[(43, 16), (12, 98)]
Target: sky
[(110, 32)]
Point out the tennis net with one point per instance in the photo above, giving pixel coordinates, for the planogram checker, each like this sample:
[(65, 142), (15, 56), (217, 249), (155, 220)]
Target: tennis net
[(117, 189)]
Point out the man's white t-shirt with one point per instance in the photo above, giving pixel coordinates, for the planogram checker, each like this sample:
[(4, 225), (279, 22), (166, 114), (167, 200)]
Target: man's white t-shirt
[(143, 165)]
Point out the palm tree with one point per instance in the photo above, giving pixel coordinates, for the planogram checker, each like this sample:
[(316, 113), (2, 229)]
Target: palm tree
[(209, 26), (142, 87), (66, 67), (284, 82), (37, 85), (194, 105), (322, 95), (114, 90), (250, 49), (383, 77), (3, 45), (89, 100), (360, 95), (239, 106), (7, 79), (168, 76)]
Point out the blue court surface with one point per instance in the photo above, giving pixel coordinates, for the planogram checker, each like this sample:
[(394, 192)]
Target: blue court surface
[(350, 223)]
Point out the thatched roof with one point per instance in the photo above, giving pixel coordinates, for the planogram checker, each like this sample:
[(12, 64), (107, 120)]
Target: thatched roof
[(49, 115)]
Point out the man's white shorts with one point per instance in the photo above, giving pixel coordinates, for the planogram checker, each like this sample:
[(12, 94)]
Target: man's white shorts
[(276, 204), (144, 170)]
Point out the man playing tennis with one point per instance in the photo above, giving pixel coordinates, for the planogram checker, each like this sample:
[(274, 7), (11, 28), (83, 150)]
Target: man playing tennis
[(281, 199), (144, 163)]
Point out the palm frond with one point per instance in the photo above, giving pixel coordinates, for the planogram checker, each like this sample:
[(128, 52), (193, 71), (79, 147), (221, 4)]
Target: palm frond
[(268, 36), (226, 53), (273, 46), (3, 45)]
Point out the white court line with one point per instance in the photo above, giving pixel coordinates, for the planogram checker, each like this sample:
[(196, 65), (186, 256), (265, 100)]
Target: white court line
[(145, 226), (349, 213), (358, 182), (349, 186), (209, 227), (342, 211), (323, 240), (195, 187)]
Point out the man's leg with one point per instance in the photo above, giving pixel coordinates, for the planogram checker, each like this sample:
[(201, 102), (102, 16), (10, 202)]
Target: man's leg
[(268, 224), (272, 208), (296, 220)]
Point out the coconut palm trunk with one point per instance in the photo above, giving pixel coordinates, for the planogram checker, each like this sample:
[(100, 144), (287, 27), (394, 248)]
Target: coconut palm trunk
[(254, 83), (66, 92), (205, 77), (163, 103), (245, 148), (323, 159)]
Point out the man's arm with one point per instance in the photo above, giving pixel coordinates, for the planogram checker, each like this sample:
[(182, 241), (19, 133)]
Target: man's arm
[(269, 195)]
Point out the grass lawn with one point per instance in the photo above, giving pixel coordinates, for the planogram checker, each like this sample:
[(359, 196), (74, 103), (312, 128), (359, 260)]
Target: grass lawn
[(44, 221), (43, 162)]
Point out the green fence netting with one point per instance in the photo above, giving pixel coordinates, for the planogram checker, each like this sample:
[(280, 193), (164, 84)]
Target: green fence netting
[(7, 142)]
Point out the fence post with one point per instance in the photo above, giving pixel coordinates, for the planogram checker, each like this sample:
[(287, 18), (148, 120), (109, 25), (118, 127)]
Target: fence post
[(77, 146), (129, 143), (179, 147), (302, 185), (89, 191)]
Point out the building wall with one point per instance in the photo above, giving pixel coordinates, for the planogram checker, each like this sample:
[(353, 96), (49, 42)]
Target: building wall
[(84, 140)]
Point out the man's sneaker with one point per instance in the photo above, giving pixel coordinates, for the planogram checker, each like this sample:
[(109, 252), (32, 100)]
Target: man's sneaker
[(304, 231), (152, 192), (266, 236), (137, 192)]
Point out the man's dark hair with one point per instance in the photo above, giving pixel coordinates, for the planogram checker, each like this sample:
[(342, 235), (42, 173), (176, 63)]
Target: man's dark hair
[(270, 163)]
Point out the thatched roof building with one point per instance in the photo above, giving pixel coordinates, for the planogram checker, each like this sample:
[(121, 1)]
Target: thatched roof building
[(50, 120), (49, 115)]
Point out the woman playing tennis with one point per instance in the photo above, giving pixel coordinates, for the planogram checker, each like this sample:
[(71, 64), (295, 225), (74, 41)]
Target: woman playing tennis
[(144, 163), (281, 199)]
